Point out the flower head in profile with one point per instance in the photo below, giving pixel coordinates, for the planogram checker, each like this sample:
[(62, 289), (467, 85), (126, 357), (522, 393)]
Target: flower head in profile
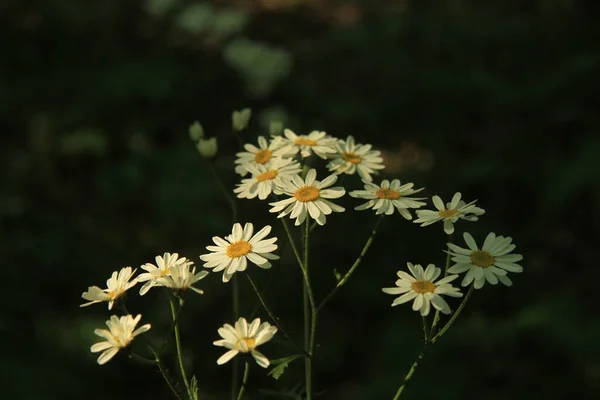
[(181, 277), (309, 197), (388, 196), (267, 179), (315, 142), (422, 287), (159, 270), (244, 338), (489, 262), (232, 253), (261, 155), (351, 158), (120, 333), (449, 213), (117, 285)]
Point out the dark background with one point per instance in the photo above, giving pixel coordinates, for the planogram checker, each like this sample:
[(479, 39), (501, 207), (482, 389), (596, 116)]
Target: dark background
[(495, 99)]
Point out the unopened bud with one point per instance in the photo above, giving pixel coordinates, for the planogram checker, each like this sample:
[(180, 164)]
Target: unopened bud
[(240, 119), (196, 131), (207, 147)]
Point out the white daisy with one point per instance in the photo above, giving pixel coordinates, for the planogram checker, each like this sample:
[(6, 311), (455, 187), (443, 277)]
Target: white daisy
[(245, 338), (117, 285), (449, 213), (351, 158), (387, 196), (181, 277), (163, 264), (421, 287), (309, 196), (267, 179), (262, 155), (121, 333), (315, 142), (232, 253), (488, 263)]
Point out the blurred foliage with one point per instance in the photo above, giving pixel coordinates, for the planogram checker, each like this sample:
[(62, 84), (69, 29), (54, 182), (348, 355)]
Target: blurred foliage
[(496, 99)]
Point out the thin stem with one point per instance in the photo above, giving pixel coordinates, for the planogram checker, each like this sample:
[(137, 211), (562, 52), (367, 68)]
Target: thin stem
[(300, 262), (411, 372), (244, 380), (230, 199), (309, 314), (454, 316), (164, 373), (235, 373), (178, 345), (272, 316), (353, 267), (141, 359), (436, 318), (425, 330)]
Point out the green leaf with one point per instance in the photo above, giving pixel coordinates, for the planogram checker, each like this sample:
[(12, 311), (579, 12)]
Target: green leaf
[(338, 276), (280, 365), (194, 388)]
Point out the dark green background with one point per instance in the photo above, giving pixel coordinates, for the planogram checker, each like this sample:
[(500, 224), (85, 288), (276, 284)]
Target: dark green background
[(496, 99)]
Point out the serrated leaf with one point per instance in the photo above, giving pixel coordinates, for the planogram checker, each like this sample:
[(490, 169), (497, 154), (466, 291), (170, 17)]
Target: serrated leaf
[(194, 388), (280, 365)]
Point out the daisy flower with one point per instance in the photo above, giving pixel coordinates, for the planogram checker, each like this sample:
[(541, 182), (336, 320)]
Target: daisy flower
[(308, 197), (449, 213), (263, 154), (421, 287), (267, 179), (387, 196), (181, 277), (245, 338), (488, 263), (121, 332), (117, 285), (163, 264), (232, 253), (315, 142), (352, 158)]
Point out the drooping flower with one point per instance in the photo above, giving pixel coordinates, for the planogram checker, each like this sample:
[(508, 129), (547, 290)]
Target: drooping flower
[(489, 263), (315, 142), (120, 334), (423, 288), (449, 213), (245, 338), (267, 179), (351, 158), (309, 197), (163, 264), (387, 196), (181, 277), (117, 285), (232, 253)]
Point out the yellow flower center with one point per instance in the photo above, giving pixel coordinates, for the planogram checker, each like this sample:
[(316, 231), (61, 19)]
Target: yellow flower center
[(482, 258), (448, 213), (263, 156), (423, 287), (250, 343), (307, 193), (238, 249), (305, 142), (351, 157), (387, 193), (267, 176)]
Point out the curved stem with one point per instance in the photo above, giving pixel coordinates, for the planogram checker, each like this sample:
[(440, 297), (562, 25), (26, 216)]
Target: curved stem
[(164, 373), (244, 380), (353, 267), (230, 199), (436, 318), (272, 316), (454, 316), (411, 372), (309, 316), (178, 345)]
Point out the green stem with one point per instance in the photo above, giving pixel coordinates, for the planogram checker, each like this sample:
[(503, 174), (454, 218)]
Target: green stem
[(299, 259), (230, 199), (411, 372), (436, 318), (309, 319), (244, 380), (235, 373), (164, 373), (353, 267), (272, 316), (454, 316), (178, 345), (425, 331)]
